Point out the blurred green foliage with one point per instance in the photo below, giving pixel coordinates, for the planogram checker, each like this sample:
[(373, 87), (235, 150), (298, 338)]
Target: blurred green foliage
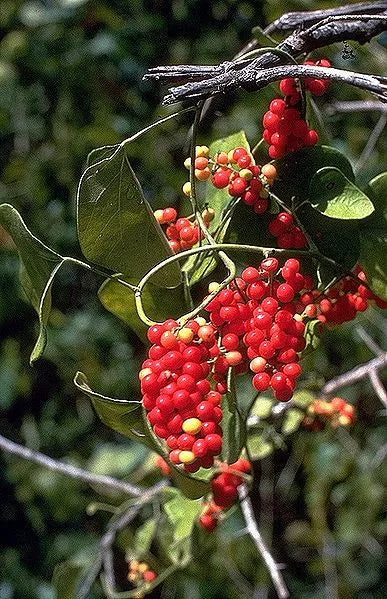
[(71, 80)]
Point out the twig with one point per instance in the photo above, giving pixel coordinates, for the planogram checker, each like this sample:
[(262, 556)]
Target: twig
[(252, 527), (369, 369), (371, 143), (104, 556), (68, 469), (370, 343), (355, 106), (291, 20), (330, 570)]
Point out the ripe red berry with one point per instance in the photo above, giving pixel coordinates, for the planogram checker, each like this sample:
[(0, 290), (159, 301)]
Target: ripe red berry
[(261, 381), (221, 178), (285, 293)]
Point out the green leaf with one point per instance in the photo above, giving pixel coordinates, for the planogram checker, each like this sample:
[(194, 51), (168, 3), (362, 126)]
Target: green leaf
[(116, 225), (100, 154), (262, 407), (303, 398), (39, 264), (182, 514), (258, 447), (262, 38), (66, 579), (128, 418), (233, 425), (219, 200), (335, 196), (292, 421), (295, 171), (373, 260), (159, 304), (144, 537), (312, 333), (377, 191)]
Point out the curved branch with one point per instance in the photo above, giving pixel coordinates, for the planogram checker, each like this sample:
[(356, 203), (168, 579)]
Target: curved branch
[(68, 469), (292, 20), (229, 76)]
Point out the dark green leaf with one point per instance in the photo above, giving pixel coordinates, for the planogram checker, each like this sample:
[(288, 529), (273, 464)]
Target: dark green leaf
[(66, 579), (159, 304), (377, 191), (100, 154), (296, 170), (233, 424), (39, 265), (144, 537), (373, 260), (337, 197), (116, 225), (127, 417)]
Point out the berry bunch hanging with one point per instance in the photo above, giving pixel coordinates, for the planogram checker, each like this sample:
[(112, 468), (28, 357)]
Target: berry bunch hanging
[(285, 128), (335, 413), (259, 325), (235, 170), (224, 487), (140, 572), (288, 235), (182, 233), (182, 391)]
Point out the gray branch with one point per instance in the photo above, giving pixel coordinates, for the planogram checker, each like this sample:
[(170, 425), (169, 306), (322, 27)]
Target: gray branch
[(68, 469), (369, 369), (252, 527), (292, 20), (201, 82)]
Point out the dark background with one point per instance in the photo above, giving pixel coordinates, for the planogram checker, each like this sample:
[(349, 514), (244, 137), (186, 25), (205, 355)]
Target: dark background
[(71, 80)]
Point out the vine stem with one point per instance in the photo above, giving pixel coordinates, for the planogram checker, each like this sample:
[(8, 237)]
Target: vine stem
[(252, 527), (220, 247)]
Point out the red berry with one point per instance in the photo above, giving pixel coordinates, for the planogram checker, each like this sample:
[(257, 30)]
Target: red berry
[(221, 178), (285, 293), (261, 381)]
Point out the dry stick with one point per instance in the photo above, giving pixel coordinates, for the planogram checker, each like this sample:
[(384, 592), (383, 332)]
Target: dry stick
[(291, 20), (252, 527), (371, 143), (116, 524), (357, 373), (355, 106), (69, 470)]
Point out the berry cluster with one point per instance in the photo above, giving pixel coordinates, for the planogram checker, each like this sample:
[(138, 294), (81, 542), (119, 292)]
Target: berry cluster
[(288, 235), (285, 129), (139, 572), (336, 412), (259, 325), (342, 302), (224, 488), (182, 233), (236, 170), (182, 391)]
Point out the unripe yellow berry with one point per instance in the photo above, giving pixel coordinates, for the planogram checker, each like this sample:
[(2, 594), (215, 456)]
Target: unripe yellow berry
[(246, 174), (187, 457), (134, 565), (187, 163), (269, 171), (191, 426), (202, 151), (159, 216), (230, 156), (201, 321), (143, 567), (264, 194), (132, 577), (144, 372), (208, 215), (258, 364), (187, 188), (185, 334), (203, 175), (213, 287), (344, 420)]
